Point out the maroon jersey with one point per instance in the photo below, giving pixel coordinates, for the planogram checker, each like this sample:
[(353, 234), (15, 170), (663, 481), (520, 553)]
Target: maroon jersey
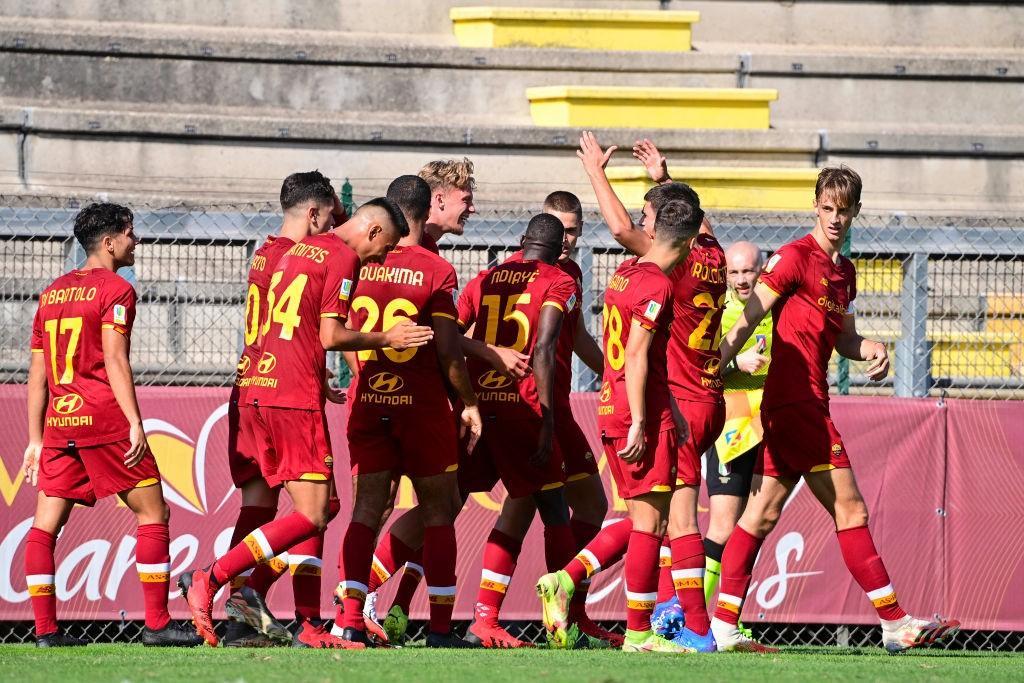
[(505, 304), (641, 292), (567, 338), (413, 284), (264, 263), (313, 280), (816, 293), (68, 331), (429, 243), (699, 298)]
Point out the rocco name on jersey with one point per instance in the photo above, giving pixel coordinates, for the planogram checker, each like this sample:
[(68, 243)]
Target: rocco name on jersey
[(706, 273)]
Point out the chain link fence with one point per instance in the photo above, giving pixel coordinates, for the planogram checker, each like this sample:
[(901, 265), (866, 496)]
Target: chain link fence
[(945, 293), (790, 636)]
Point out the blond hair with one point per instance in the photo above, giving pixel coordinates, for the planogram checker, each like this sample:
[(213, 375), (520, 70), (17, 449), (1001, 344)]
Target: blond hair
[(448, 173), (841, 182)]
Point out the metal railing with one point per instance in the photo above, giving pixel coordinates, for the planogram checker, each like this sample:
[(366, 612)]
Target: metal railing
[(946, 293)]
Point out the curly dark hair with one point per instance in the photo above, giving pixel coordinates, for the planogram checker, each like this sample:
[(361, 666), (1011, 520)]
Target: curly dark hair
[(98, 220), (299, 188)]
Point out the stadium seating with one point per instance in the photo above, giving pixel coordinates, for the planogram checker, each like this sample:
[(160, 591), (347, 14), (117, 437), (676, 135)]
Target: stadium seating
[(725, 187)]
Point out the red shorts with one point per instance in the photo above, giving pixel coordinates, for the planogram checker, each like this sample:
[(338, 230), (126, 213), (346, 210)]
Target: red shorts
[(243, 455), (654, 472), (800, 438), (706, 421), (417, 444), (293, 444), (85, 475), (503, 452), (580, 462)]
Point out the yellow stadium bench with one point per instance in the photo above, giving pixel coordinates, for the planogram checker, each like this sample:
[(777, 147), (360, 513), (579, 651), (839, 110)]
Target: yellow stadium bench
[(588, 29), (726, 187), (968, 354), (878, 276), (635, 107)]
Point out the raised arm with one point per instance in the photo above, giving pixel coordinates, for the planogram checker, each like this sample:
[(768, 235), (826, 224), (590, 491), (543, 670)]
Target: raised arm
[(620, 224)]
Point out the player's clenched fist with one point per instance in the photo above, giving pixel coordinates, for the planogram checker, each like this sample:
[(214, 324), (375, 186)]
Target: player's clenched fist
[(406, 335), (473, 424), (880, 355)]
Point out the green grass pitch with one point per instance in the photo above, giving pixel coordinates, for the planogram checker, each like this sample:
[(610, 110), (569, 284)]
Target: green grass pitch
[(133, 663)]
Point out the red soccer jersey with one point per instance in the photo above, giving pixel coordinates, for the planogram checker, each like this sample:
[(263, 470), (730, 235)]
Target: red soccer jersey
[(313, 280), (412, 283), (641, 292), (505, 303), (67, 330), (264, 263), (816, 293), (567, 338), (699, 299)]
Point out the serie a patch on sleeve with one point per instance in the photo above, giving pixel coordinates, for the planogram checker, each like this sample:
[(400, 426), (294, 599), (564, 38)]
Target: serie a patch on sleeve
[(652, 311), (571, 303), (346, 289), (120, 315)]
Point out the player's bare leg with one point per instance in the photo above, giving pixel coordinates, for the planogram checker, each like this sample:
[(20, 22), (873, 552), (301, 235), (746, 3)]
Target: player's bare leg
[(439, 504), (589, 504), (500, 556), (371, 493), (838, 493), (51, 515)]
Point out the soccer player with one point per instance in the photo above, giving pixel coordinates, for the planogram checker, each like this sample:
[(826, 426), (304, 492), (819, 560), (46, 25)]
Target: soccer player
[(639, 428), (730, 463), (694, 379), (584, 490), (810, 289), (304, 201), (451, 199), (308, 302), (86, 439), (519, 305), (401, 422)]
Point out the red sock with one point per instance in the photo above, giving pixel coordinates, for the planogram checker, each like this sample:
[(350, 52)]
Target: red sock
[(559, 546), (583, 533), (439, 555), (153, 562), (500, 555), (305, 562), (39, 571), (412, 574), (263, 543), (666, 589), (250, 517), (356, 555), (641, 571), (688, 579), (388, 558), (866, 566), (606, 549), (737, 564)]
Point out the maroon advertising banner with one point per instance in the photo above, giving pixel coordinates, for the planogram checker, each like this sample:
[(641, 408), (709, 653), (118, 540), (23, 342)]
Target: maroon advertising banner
[(943, 482)]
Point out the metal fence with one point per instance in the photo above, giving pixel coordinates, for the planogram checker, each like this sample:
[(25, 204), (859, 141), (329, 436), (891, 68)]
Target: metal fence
[(793, 636), (946, 293)]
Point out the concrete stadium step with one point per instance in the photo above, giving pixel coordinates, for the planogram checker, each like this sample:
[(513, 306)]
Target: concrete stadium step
[(632, 107), (725, 187), (236, 152), (876, 23), (344, 71), (590, 29), (966, 354)]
